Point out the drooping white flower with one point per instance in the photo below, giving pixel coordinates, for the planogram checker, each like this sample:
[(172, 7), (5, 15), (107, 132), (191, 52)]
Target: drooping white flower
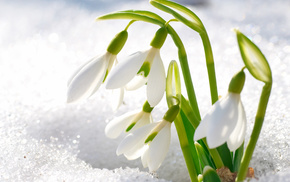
[(150, 142), (138, 69), (127, 122), (88, 78), (226, 120)]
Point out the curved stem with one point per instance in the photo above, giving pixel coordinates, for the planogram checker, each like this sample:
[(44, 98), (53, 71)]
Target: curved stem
[(256, 132), (130, 23), (185, 70), (210, 66), (189, 87)]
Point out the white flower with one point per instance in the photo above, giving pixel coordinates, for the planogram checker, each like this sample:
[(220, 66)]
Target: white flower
[(225, 122), (88, 78), (151, 142), (138, 69), (127, 122)]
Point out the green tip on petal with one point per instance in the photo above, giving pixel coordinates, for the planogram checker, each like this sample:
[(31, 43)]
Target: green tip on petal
[(210, 175), (151, 137), (130, 127), (237, 82), (118, 42), (145, 68), (254, 59), (147, 108)]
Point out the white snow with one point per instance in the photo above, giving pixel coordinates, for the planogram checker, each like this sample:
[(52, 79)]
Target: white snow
[(42, 42)]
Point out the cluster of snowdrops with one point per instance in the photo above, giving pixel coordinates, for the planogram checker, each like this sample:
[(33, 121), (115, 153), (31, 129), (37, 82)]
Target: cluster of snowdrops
[(212, 146)]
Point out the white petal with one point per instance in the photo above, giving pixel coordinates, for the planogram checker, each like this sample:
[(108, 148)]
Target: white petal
[(202, 128), (126, 70), (110, 58), (132, 139), (145, 119), (156, 81), (137, 82), (116, 98), (87, 79), (79, 68), (223, 120), (115, 127), (135, 152), (158, 148), (238, 134), (144, 157)]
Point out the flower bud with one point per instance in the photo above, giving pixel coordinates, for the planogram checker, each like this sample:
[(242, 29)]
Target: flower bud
[(237, 82), (118, 42)]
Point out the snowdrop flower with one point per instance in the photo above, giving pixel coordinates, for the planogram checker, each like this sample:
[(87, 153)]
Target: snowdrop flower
[(150, 142), (141, 68), (87, 79), (226, 120), (129, 121)]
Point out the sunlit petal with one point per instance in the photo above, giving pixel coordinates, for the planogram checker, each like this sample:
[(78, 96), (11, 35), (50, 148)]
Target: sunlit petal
[(145, 119), (80, 68), (110, 58), (144, 157), (237, 136), (223, 120), (156, 82), (116, 98), (126, 70), (202, 128), (87, 79), (115, 127), (137, 82), (134, 138), (159, 148), (136, 151)]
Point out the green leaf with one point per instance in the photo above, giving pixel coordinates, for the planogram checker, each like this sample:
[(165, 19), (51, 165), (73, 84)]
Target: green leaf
[(181, 13), (226, 156), (131, 15), (189, 130), (203, 156), (238, 157), (210, 175), (254, 59)]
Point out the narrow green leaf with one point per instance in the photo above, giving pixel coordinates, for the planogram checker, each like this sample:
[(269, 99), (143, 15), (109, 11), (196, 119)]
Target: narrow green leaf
[(189, 130), (203, 156), (238, 157), (146, 13), (210, 175), (131, 16), (226, 156), (180, 12), (254, 59)]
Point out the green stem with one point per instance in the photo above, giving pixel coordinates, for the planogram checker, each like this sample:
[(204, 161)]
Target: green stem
[(210, 66), (185, 147), (256, 131), (185, 70), (193, 22)]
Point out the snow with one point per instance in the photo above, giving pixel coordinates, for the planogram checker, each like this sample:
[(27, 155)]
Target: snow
[(42, 42)]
